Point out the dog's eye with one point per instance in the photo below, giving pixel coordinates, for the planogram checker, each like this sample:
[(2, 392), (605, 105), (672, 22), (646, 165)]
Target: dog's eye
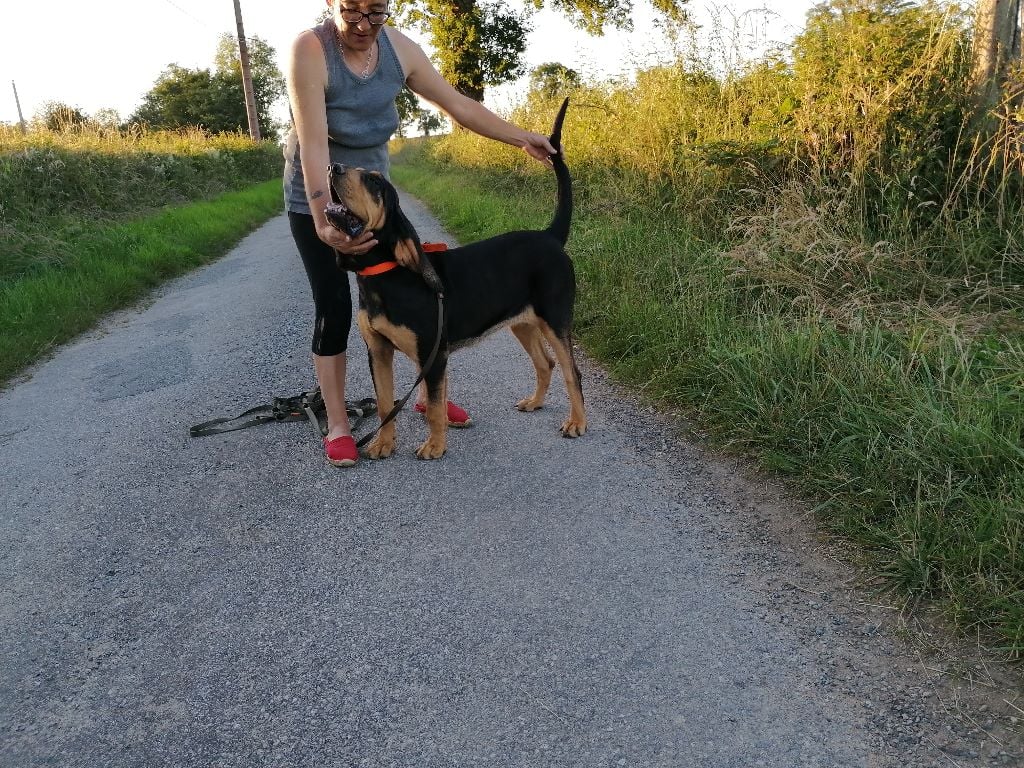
[(374, 184)]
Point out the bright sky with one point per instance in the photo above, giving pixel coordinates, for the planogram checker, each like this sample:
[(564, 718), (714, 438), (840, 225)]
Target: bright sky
[(98, 54)]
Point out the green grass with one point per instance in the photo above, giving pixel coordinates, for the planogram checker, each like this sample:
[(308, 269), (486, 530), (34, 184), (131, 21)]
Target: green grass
[(906, 430), (56, 188), (107, 266)]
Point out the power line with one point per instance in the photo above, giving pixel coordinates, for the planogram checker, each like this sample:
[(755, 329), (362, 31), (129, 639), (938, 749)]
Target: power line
[(182, 10)]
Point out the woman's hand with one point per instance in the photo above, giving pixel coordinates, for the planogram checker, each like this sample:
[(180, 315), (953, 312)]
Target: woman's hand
[(538, 146), (339, 241)]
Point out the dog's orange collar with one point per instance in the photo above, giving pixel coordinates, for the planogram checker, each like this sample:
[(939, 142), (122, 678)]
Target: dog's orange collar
[(377, 269)]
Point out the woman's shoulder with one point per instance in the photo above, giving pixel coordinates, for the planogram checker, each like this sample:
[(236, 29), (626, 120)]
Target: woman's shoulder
[(305, 39), (313, 36), (309, 42), (308, 55), (409, 53)]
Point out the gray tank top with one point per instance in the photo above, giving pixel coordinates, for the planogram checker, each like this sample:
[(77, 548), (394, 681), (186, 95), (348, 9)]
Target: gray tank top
[(361, 115)]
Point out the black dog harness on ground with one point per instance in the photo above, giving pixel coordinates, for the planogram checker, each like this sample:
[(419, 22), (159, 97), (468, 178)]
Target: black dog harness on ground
[(305, 406)]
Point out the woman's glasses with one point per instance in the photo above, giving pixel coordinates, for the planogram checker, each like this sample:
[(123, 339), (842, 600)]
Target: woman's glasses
[(352, 16)]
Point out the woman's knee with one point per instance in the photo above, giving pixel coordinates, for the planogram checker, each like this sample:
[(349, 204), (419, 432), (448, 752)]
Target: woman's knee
[(330, 337)]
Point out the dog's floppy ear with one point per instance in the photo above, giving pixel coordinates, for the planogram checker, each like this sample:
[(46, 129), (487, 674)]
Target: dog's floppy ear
[(406, 246)]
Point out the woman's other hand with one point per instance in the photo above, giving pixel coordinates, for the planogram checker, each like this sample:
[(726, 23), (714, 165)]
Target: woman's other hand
[(339, 241)]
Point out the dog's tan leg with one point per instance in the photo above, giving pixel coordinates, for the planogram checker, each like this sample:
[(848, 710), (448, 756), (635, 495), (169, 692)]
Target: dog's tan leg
[(437, 420), (382, 356), (576, 424), (530, 337)]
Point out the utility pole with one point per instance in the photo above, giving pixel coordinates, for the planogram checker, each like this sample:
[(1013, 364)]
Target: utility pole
[(996, 46), (250, 96), (21, 117)]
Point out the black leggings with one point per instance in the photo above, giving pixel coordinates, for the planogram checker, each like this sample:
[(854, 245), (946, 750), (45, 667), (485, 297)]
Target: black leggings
[(331, 295)]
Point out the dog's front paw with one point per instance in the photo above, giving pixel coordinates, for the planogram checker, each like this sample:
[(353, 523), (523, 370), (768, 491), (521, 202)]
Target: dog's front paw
[(381, 447), (528, 404), (431, 449), (574, 427)]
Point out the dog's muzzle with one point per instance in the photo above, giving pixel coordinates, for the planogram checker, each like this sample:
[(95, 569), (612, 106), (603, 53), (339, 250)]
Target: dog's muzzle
[(337, 213), (342, 218)]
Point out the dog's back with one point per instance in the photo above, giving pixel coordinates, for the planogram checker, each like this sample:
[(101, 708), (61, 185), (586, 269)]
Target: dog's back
[(493, 281)]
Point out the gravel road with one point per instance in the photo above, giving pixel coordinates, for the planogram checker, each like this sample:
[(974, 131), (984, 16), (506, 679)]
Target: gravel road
[(625, 599)]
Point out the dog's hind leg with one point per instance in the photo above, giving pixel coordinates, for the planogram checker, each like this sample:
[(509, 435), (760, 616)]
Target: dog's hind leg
[(436, 380), (382, 355), (561, 343), (530, 337)]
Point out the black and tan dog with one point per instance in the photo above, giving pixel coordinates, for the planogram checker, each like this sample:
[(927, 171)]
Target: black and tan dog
[(523, 280)]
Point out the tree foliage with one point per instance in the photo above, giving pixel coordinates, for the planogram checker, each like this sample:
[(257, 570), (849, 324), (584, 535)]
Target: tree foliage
[(480, 43), (429, 122), (551, 79), (408, 107), (411, 114), (595, 16), (215, 100), (108, 118)]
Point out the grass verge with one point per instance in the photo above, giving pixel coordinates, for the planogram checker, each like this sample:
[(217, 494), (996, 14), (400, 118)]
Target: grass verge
[(909, 437), (107, 267)]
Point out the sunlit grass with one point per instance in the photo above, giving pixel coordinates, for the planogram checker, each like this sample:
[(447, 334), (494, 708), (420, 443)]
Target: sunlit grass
[(53, 184)]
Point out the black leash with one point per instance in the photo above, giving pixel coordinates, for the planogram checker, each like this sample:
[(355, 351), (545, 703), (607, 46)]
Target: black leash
[(400, 404), (430, 277)]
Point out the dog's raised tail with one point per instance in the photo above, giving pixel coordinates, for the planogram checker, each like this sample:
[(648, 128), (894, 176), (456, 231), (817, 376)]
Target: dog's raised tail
[(559, 226)]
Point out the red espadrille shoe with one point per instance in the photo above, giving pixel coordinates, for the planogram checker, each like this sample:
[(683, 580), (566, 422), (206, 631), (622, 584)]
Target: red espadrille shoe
[(341, 451), (457, 417)]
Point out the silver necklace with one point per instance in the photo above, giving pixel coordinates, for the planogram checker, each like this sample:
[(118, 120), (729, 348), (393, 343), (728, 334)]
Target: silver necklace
[(341, 49)]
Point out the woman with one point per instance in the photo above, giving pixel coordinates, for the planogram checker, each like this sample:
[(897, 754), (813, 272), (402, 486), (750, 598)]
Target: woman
[(343, 78)]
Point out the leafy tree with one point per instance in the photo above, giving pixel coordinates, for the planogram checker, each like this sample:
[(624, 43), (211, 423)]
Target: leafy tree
[(429, 121), (106, 118), (215, 100), (480, 43), (182, 97), (408, 109), (477, 42), (268, 83), (594, 16), (60, 117), (552, 79), (410, 113)]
